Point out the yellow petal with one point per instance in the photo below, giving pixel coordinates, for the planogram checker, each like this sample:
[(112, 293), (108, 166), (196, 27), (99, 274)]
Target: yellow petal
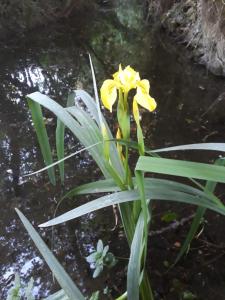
[(118, 134), (108, 93), (145, 100), (119, 146), (126, 79), (136, 112), (116, 76), (144, 85)]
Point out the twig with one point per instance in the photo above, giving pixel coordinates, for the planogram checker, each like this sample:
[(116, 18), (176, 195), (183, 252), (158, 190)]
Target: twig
[(172, 226)]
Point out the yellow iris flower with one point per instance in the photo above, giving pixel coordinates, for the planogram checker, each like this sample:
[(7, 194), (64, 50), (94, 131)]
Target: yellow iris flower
[(126, 80)]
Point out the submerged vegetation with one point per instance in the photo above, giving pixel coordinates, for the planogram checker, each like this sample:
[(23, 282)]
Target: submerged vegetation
[(124, 186)]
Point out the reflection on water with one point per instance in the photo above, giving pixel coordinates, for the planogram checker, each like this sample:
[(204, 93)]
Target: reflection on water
[(54, 61)]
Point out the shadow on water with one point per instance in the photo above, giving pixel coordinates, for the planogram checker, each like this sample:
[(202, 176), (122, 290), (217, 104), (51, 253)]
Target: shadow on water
[(54, 60)]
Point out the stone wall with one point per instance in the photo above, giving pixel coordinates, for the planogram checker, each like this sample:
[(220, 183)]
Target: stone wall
[(213, 28), (200, 24)]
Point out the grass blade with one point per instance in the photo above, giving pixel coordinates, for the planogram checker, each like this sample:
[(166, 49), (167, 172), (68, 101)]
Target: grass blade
[(60, 274), (100, 186), (63, 159), (60, 295), (181, 168), (134, 265), (108, 186), (42, 136), (91, 206), (132, 195), (209, 187), (59, 137), (65, 117), (201, 146)]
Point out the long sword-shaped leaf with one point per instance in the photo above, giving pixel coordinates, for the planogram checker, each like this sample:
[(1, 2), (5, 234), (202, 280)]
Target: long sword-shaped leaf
[(92, 132), (201, 146), (157, 193), (60, 274), (181, 168), (61, 160), (100, 186), (60, 295), (42, 136), (134, 265), (210, 187), (59, 137), (108, 186), (64, 116)]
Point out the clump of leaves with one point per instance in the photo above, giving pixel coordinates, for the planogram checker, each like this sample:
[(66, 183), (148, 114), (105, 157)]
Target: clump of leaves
[(17, 290), (101, 257)]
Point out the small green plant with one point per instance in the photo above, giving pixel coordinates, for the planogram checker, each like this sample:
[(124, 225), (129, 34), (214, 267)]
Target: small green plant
[(19, 292), (169, 216), (100, 258)]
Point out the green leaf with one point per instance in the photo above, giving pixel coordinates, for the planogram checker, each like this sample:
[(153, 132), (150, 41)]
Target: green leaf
[(187, 295), (209, 187), (14, 292), (110, 260), (63, 159), (60, 274), (65, 117), (169, 217), (29, 289), (42, 136), (108, 185), (181, 168), (134, 265), (80, 131), (100, 186), (100, 246), (59, 137), (201, 146), (95, 296), (91, 206), (97, 271), (60, 295), (105, 250), (91, 258), (158, 193)]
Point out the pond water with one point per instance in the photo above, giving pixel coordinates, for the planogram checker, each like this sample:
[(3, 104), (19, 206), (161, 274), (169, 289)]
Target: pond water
[(54, 60)]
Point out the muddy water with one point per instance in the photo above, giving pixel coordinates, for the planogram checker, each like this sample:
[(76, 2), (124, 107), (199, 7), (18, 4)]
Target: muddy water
[(54, 60)]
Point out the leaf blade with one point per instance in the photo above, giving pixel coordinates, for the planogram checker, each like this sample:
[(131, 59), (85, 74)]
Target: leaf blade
[(200, 146), (132, 195), (60, 274), (210, 187), (59, 137), (134, 265), (37, 117), (181, 168)]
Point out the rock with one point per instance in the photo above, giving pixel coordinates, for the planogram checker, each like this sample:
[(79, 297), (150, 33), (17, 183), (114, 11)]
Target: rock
[(200, 24)]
